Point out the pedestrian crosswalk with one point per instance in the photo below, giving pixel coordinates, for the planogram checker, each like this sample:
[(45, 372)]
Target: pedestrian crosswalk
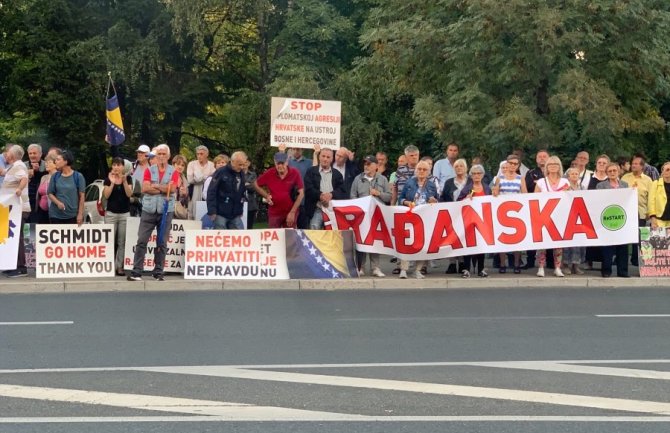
[(506, 391)]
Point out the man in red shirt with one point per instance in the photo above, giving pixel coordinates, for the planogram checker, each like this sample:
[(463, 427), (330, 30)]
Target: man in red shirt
[(281, 186)]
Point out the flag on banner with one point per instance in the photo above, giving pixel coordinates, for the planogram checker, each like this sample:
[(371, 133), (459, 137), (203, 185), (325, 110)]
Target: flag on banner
[(10, 221), (115, 134), (320, 254)]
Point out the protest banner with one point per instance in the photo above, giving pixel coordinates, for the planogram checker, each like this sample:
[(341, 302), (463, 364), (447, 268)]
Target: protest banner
[(654, 252), (10, 221), (174, 257), (269, 254), (236, 254), (305, 123), (74, 251), (489, 224)]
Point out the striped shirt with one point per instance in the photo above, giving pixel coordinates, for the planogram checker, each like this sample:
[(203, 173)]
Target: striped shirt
[(510, 186)]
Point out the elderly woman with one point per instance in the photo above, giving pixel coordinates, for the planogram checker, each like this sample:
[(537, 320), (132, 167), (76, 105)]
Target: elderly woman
[(450, 192), (66, 192), (608, 251), (593, 254), (181, 212), (508, 183), (553, 181), (16, 182), (196, 173), (219, 161), (418, 190), (41, 197), (475, 187)]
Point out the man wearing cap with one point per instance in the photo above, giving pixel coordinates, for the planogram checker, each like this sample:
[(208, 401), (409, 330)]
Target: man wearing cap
[(137, 173), (282, 188), (322, 184), (371, 183)]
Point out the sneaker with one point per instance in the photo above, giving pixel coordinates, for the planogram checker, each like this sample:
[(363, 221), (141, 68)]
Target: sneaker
[(419, 275), (465, 274), (558, 272), (403, 275), (361, 273), (424, 270), (17, 273), (540, 272), (517, 269), (133, 277), (566, 270), (483, 274), (502, 270), (576, 270), (378, 273), (159, 277)]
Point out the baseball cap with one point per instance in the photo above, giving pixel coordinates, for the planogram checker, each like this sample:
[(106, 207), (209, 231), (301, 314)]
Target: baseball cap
[(144, 149), (370, 159), (281, 157)]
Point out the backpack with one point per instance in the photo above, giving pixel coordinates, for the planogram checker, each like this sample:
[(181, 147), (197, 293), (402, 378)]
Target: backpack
[(57, 176)]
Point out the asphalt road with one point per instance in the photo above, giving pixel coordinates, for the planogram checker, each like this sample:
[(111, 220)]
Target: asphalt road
[(480, 360)]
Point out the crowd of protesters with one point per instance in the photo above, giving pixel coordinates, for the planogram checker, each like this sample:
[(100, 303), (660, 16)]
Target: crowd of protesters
[(158, 187)]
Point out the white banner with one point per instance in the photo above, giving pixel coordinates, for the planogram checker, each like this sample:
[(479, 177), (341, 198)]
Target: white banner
[(305, 123), (72, 251), (10, 222), (490, 224), (235, 254), (174, 257)]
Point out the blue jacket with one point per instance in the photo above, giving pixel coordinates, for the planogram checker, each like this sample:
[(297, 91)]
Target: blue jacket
[(468, 188), (412, 187), (226, 193)]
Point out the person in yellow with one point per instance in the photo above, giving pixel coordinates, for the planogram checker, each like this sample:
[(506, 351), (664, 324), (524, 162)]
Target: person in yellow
[(659, 210), (635, 178)]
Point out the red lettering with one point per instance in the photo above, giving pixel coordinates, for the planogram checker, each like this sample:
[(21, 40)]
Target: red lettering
[(444, 234), (512, 222), (401, 234), (579, 221), (305, 105), (350, 217), (379, 231), (484, 224), (540, 218)]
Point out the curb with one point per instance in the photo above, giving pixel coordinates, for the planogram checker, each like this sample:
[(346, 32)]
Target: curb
[(175, 283)]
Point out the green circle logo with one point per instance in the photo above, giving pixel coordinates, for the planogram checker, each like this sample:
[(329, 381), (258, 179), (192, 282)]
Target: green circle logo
[(613, 217)]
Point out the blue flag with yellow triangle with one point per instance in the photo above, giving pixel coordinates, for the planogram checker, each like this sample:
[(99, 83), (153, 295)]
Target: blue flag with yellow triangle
[(115, 133)]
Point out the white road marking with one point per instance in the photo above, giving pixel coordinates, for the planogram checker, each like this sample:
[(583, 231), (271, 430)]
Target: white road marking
[(344, 418), (480, 318), (35, 323), (578, 369), (350, 365), (631, 316), (224, 410), (638, 406)]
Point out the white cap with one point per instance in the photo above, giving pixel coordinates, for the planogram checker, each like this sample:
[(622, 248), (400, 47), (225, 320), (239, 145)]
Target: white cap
[(144, 148)]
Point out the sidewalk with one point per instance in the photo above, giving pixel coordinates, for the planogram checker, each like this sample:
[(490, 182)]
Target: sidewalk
[(435, 279)]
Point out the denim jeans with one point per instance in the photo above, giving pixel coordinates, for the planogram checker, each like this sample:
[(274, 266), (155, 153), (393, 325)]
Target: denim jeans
[(223, 223)]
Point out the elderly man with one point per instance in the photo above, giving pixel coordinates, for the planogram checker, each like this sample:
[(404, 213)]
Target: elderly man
[(284, 192), (160, 183), (16, 182), (322, 184), (582, 162), (196, 173), (226, 193), (444, 168), (344, 163), (36, 170), (635, 178)]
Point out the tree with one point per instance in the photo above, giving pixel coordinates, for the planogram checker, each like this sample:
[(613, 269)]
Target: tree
[(494, 75)]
